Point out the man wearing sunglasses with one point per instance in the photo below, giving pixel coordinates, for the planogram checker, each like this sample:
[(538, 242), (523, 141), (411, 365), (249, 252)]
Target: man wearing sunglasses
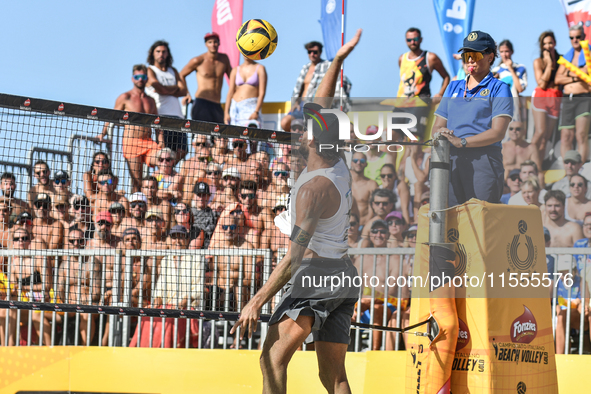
[(514, 185), (45, 227), (516, 150), (381, 202), (61, 184), (155, 236), (138, 206), (7, 190), (204, 218), (572, 164), (42, 173), (150, 190), (416, 68), (308, 83), (107, 195), (527, 169), (362, 186), (103, 236), (230, 181), (274, 239), (278, 187), (81, 208), (257, 218), (576, 104), (238, 158), (138, 146), (194, 169)]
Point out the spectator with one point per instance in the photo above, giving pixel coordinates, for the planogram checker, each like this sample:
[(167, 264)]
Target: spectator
[(297, 166), (170, 183), (572, 165), (382, 202), (415, 167), (476, 172), (545, 100), (248, 85), (46, 228), (568, 297), (220, 153), (184, 217), (200, 141), (513, 183), (416, 68), (79, 283), (574, 122), (550, 261), (150, 190), (106, 194), (32, 278), (213, 176), (396, 227), (584, 260), (165, 86), (154, 237), (25, 221), (513, 74), (61, 210), (103, 237), (118, 213), (82, 216), (4, 226), (7, 190), (171, 294), (41, 172), (390, 181), (563, 232), (138, 206), (194, 170), (376, 157), (279, 186), (137, 145), (257, 218), (530, 191), (204, 218), (239, 158), (527, 169), (577, 204), (354, 235), (517, 150), (362, 187), (230, 180), (372, 266), (274, 238), (308, 82), (210, 68), (62, 184)]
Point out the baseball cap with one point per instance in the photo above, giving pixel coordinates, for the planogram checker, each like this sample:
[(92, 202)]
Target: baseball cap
[(132, 230), (572, 155), (43, 197), (547, 236), (410, 230), (232, 171), (201, 188), (116, 206), (379, 223), (478, 41), (297, 122), (80, 200), (138, 196), (24, 216), (61, 175), (325, 127), (154, 212), (178, 229), (371, 130), (211, 34), (514, 172), (394, 215), (104, 215)]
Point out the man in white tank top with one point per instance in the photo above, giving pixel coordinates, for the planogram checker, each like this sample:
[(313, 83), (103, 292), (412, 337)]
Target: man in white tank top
[(320, 205), (165, 87)]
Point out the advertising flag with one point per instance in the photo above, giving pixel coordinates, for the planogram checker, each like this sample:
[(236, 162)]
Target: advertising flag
[(455, 22), (226, 19), (578, 11), (330, 21)]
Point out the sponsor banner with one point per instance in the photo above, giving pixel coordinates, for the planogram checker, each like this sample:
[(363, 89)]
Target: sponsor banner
[(330, 22), (138, 119), (578, 12), (226, 19)]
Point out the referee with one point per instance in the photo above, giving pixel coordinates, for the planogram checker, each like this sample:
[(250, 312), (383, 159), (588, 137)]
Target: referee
[(474, 115)]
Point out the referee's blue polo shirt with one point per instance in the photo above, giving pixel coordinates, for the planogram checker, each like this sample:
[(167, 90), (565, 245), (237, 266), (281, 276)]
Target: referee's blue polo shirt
[(473, 114)]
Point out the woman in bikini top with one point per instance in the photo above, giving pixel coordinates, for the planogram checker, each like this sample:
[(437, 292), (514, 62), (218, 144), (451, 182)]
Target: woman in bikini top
[(247, 81)]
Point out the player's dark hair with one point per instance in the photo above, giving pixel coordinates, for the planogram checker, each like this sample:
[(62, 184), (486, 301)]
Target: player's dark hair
[(556, 194), (414, 30), (151, 53), (313, 44)]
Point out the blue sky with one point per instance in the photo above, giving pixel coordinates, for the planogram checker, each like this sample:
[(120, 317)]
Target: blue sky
[(82, 52)]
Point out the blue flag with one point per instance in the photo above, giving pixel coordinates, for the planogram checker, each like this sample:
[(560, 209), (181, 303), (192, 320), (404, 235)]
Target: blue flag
[(330, 21), (455, 23)]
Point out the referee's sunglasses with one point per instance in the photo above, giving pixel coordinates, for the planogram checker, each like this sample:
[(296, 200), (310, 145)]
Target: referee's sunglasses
[(476, 56)]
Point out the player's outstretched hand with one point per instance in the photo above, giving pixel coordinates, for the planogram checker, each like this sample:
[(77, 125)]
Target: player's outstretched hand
[(346, 49), (248, 320)]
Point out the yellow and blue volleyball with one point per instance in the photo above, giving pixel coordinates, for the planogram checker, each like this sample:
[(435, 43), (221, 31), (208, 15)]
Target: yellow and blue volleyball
[(256, 39)]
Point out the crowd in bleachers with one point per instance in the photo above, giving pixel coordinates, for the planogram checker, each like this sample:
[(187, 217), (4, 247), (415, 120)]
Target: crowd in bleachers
[(226, 194)]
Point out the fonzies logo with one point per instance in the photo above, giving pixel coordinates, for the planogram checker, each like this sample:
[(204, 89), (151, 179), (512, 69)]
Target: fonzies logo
[(521, 255), (452, 237), (463, 335), (524, 329)]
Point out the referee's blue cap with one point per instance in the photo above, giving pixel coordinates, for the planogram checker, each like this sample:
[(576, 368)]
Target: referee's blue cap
[(478, 41)]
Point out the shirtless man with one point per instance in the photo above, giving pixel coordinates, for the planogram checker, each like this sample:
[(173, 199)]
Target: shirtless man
[(574, 120), (118, 213), (210, 68), (45, 227), (5, 232), (238, 158), (379, 236), (41, 172), (7, 190), (274, 239), (61, 184), (362, 187), (563, 233), (79, 280), (138, 146), (82, 217), (103, 237), (381, 202), (230, 180), (106, 194), (138, 205), (220, 150), (517, 150), (25, 221), (255, 217), (194, 169), (150, 190), (278, 188), (155, 237)]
